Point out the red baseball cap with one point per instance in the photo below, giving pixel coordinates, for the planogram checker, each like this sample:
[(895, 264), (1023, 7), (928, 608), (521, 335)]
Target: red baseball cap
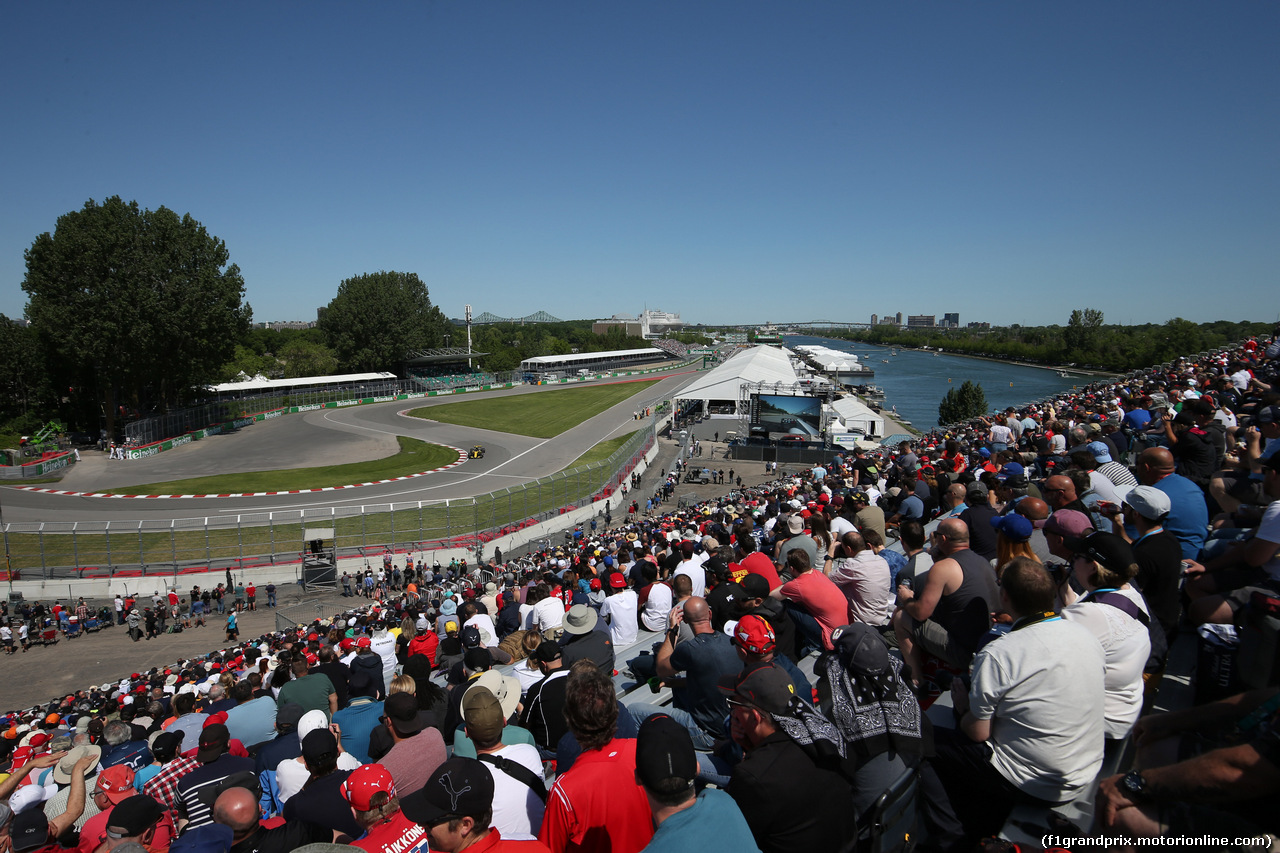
[(365, 781), (346, 644), (117, 783), (755, 635), (618, 580), (364, 643)]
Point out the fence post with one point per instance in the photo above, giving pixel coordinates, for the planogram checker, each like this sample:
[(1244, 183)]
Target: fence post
[(173, 543), (208, 554), (271, 525), (107, 538)]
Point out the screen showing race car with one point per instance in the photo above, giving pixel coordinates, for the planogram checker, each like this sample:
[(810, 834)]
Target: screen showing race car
[(788, 416)]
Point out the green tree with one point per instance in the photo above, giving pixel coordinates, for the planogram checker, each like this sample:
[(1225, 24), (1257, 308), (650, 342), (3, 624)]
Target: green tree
[(961, 404), (24, 385), (378, 318), (1082, 330), (301, 358), (133, 306)]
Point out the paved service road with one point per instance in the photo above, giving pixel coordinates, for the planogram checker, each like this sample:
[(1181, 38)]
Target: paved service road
[(331, 437)]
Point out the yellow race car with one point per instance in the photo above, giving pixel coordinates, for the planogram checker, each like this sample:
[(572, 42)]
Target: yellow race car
[(476, 452)]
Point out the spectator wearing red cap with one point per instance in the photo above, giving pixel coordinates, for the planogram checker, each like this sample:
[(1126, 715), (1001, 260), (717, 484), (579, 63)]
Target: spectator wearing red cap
[(371, 794), (620, 610)]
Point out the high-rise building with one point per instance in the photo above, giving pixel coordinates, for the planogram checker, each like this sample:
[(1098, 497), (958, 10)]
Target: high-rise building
[(951, 321), (874, 318), (898, 318), (920, 321)]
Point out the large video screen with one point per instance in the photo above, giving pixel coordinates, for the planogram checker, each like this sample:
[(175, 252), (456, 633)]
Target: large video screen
[(788, 416)]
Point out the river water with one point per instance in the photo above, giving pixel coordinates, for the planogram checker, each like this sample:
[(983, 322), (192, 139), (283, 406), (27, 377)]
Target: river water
[(915, 382)]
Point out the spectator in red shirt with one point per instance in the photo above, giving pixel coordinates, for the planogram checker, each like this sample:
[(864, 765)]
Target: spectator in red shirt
[(596, 807), (815, 603)]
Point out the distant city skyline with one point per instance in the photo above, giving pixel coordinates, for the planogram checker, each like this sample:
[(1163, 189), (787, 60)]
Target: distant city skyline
[(733, 161)]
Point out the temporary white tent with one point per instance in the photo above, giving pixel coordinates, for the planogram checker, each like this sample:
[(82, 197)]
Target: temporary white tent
[(853, 413), (721, 386)]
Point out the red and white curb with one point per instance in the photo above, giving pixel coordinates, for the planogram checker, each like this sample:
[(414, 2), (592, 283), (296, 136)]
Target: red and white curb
[(462, 457)]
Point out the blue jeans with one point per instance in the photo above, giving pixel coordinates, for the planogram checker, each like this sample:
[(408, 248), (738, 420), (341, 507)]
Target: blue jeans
[(807, 625), (701, 740)]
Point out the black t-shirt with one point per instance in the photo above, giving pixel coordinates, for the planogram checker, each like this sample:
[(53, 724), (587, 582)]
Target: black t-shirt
[(321, 802), (284, 838), (982, 536), (1159, 559)]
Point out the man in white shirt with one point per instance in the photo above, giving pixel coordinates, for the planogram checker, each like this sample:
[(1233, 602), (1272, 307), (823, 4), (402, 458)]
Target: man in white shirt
[(620, 611), (1020, 737), (691, 565), (516, 769), (658, 605)]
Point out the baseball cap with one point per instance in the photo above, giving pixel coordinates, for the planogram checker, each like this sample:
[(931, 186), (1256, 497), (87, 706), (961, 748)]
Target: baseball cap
[(116, 782), (213, 742), (795, 524), (1106, 549), (1268, 415), (483, 714), (460, 787), (1013, 527), (766, 687), (477, 660), (1099, 450), (754, 634), (28, 796), (1068, 522), (976, 489), (1149, 502), (365, 781), (618, 580), (755, 586), (1011, 469), (363, 643), (664, 751), (547, 651), (288, 716), (471, 637), (319, 744), (133, 816), (402, 709), (29, 830)]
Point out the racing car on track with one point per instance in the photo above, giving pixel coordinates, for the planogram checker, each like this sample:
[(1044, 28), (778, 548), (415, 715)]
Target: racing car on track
[(476, 452)]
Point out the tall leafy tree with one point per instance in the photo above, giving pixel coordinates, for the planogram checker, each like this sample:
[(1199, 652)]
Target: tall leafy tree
[(135, 307), (960, 404), (377, 318), (1081, 333), (24, 386)]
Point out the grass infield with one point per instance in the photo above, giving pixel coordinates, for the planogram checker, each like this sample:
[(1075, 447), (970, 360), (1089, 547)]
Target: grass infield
[(541, 415), (414, 457)]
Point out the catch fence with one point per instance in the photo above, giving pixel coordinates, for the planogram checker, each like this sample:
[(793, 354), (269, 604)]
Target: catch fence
[(112, 549)]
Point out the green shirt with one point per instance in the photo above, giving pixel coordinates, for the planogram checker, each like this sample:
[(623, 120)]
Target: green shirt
[(312, 692), (511, 735)]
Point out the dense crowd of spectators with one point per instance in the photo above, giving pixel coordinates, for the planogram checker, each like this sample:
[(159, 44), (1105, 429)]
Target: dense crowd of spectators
[(789, 656)]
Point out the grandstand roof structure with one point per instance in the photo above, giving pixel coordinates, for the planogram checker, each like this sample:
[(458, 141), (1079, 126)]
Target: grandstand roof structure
[(535, 317), (441, 355)]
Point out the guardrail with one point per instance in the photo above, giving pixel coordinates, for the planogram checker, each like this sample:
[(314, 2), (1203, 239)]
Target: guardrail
[(101, 550)]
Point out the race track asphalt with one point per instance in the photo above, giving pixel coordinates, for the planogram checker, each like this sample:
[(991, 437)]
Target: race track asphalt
[(330, 437)]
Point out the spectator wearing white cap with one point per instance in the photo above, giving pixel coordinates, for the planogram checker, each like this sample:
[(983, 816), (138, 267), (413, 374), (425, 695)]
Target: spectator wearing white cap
[(1156, 551)]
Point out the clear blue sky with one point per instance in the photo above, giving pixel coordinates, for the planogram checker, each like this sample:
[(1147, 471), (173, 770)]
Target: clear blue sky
[(734, 162)]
